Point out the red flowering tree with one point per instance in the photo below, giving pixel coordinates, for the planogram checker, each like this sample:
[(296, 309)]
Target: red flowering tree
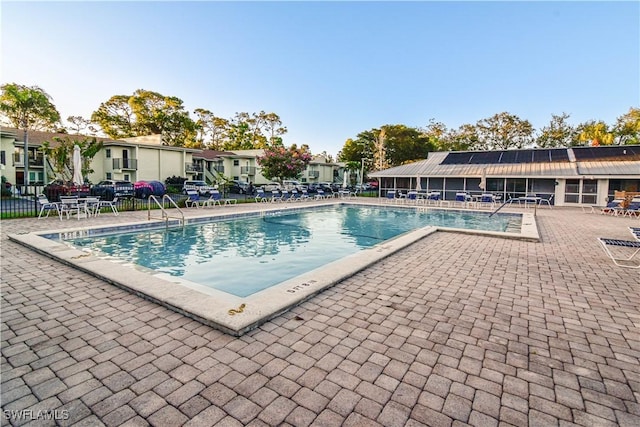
[(280, 163)]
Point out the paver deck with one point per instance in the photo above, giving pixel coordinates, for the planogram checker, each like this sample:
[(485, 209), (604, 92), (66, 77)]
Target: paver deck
[(454, 330)]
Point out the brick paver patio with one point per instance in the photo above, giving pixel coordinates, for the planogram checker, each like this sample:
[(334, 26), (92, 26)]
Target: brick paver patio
[(454, 330)]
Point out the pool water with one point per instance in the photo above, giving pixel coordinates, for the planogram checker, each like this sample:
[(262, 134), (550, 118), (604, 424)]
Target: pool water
[(242, 256)]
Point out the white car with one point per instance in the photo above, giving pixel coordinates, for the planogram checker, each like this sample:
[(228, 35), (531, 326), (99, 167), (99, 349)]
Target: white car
[(293, 185), (271, 186), (200, 186)]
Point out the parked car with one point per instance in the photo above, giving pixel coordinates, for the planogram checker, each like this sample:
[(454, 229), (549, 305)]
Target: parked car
[(58, 187), (293, 185), (110, 188), (271, 186), (373, 184), (201, 187), (238, 187), (144, 189)]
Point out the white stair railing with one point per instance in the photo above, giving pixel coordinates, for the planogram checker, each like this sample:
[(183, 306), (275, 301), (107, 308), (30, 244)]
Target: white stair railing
[(163, 212)]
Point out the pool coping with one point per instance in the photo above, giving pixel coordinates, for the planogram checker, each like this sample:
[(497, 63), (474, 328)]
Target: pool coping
[(229, 313)]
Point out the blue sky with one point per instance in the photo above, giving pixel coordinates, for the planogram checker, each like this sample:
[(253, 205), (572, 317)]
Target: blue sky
[(333, 69)]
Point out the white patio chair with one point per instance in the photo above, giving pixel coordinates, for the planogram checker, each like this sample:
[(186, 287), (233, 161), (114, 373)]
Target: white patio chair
[(47, 206), (107, 204)]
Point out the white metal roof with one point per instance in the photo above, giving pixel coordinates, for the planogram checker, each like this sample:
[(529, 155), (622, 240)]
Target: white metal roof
[(432, 167)]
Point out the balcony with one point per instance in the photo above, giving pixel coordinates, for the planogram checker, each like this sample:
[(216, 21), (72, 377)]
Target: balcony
[(247, 170), (192, 168), (125, 164), (313, 174), (218, 168), (34, 161)]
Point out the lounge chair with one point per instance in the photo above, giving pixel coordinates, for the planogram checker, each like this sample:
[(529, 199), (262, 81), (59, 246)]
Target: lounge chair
[(47, 206), (463, 199), (295, 196), (487, 200), (216, 198), (391, 196), (193, 199), (412, 197), (284, 196), (276, 196), (614, 207), (320, 195), (434, 197), (619, 245), (635, 231), (261, 196), (632, 209)]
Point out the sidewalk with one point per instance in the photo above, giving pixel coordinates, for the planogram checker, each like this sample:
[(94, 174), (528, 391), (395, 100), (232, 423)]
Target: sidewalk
[(454, 330)]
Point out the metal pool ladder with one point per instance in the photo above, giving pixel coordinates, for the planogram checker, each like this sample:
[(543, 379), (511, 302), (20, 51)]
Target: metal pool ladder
[(164, 214)]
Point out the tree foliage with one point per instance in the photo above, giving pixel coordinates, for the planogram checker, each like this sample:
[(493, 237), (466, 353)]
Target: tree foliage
[(391, 145), (28, 107), (146, 113), (595, 133), (559, 133), (504, 131), (59, 151), (627, 128), (280, 163)]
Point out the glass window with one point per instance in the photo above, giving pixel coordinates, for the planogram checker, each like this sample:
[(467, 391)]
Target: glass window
[(572, 191), (126, 177), (572, 186), (108, 153), (495, 184), (3, 158), (109, 175), (236, 163), (589, 186), (516, 187), (435, 184)]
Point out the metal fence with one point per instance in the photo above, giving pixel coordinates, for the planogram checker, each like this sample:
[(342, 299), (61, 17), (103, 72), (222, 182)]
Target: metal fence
[(20, 204)]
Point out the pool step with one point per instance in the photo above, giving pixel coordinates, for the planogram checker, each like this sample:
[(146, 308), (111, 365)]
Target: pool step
[(514, 226)]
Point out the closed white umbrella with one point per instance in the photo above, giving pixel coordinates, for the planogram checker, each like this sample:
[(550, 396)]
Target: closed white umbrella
[(346, 178), (418, 184), (77, 166), (483, 180)]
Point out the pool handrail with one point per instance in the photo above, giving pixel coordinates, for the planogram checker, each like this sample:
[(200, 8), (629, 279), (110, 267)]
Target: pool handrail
[(165, 215)]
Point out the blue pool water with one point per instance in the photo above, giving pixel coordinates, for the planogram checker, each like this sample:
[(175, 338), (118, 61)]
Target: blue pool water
[(242, 256)]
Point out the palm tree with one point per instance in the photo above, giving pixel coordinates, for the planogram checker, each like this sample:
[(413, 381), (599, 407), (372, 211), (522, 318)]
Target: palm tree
[(27, 107)]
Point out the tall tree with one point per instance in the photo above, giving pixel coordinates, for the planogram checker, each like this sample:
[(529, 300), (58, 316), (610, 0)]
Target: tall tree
[(504, 131), (273, 126), (405, 144), (559, 133), (437, 133), (627, 128), (462, 139), (116, 117), (212, 130), (28, 108), (79, 125), (146, 113), (245, 132)]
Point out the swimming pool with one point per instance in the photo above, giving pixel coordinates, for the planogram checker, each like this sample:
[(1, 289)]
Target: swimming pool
[(294, 231), (242, 256)]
